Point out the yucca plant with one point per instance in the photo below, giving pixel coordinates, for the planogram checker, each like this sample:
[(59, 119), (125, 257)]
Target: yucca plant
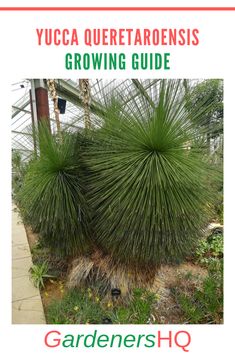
[(147, 183), (52, 195), (128, 195)]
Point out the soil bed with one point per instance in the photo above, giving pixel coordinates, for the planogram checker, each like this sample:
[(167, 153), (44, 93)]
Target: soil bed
[(166, 310)]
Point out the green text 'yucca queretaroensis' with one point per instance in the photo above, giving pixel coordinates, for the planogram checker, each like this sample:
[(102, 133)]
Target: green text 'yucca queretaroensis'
[(147, 183), (53, 195)]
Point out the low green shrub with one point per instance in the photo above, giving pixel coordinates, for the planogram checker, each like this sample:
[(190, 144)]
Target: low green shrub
[(77, 307), (201, 300), (138, 311), (87, 307), (202, 303), (210, 249)]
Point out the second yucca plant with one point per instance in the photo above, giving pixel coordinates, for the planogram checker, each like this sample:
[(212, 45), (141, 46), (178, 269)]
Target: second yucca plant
[(53, 194)]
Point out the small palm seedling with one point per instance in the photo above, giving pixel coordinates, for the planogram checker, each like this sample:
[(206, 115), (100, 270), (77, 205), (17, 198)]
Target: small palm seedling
[(39, 273)]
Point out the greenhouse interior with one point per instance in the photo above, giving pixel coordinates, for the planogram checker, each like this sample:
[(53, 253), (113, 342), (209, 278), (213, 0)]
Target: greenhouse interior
[(117, 201)]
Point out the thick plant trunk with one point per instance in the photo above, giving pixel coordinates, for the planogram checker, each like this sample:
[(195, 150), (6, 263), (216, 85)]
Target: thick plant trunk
[(101, 270)]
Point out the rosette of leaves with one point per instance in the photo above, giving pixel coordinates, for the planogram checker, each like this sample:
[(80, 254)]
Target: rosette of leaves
[(147, 184), (53, 192)]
